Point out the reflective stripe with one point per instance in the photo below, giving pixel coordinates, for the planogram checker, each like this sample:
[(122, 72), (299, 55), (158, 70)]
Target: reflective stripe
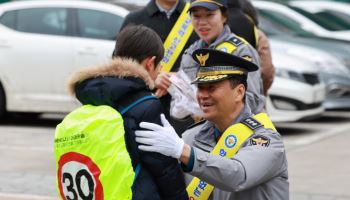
[(176, 40), (228, 145)]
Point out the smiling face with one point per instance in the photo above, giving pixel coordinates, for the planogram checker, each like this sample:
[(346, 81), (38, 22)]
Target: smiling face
[(207, 24), (220, 101)]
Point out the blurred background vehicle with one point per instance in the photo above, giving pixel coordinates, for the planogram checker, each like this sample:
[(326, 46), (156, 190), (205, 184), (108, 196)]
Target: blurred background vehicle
[(334, 74), (331, 72), (49, 35), (325, 19), (130, 5), (293, 33), (296, 93), (42, 42), (327, 9), (284, 14)]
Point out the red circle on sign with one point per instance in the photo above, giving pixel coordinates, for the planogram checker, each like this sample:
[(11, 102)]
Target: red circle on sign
[(77, 157)]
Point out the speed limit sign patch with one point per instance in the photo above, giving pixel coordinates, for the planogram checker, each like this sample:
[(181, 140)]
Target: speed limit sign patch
[(78, 178)]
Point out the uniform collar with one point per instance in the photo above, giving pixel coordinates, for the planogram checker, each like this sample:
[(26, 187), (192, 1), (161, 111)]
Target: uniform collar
[(206, 138), (167, 12), (226, 33), (152, 7)]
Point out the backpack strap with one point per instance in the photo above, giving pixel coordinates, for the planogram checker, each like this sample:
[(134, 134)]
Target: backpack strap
[(126, 109), (137, 170)]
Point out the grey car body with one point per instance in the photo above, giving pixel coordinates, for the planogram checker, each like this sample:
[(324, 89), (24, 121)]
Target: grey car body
[(337, 82)]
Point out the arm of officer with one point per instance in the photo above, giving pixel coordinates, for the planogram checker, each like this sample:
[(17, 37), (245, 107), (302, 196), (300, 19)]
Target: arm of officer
[(251, 166)]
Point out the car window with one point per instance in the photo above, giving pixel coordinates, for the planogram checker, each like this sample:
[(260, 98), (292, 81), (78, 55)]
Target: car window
[(345, 17), (326, 22), (98, 25), (8, 19), (42, 20), (283, 23)]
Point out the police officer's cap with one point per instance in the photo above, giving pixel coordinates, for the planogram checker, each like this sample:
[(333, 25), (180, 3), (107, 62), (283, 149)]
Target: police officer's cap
[(209, 4), (216, 65)]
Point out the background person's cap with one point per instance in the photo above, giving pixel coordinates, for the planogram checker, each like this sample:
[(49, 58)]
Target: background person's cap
[(216, 65), (209, 4)]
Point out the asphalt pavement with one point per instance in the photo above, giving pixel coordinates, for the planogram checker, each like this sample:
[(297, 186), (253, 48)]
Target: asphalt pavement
[(317, 153)]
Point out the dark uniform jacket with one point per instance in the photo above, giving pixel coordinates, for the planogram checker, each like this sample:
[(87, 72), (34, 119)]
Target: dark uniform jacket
[(241, 25), (153, 18), (118, 85)]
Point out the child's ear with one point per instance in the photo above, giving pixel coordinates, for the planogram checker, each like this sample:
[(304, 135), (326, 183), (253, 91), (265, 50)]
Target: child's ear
[(150, 63)]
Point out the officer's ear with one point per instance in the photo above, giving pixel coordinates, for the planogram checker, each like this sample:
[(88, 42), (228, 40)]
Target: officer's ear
[(239, 92)]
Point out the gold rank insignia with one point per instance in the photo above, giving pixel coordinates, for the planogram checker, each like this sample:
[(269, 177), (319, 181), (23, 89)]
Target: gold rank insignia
[(248, 58), (260, 141), (202, 58)]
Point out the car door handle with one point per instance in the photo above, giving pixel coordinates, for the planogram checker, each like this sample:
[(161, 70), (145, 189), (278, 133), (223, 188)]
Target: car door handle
[(87, 51), (4, 44)]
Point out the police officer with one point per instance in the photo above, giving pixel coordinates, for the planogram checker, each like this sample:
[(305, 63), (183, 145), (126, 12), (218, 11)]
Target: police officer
[(233, 154), (209, 20)]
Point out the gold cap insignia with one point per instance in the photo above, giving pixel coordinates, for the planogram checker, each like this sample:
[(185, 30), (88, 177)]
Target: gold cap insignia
[(202, 58), (248, 58)]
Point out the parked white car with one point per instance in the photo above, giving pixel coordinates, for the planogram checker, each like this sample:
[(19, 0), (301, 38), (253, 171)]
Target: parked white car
[(287, 13), (42, 42), (296, 93), (331, 72)]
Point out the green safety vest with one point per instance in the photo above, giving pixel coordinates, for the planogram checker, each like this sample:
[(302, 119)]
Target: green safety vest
[(92, 161)]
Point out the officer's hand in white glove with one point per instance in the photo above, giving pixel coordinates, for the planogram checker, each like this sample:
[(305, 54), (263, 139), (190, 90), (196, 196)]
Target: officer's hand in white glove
[(160, 139)]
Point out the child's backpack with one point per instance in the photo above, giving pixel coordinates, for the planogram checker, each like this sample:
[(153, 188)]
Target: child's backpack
[(92, 161)]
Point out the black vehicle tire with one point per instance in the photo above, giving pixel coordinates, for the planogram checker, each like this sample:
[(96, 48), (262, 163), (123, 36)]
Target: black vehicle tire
[(29, 115), (2, 102)]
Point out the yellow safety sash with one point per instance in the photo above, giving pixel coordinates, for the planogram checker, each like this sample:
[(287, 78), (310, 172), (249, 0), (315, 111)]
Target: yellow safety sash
[(256, 33), (176, 40), (227, 147)]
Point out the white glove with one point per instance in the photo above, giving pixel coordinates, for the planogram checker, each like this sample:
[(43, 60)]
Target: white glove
[(160, 139)]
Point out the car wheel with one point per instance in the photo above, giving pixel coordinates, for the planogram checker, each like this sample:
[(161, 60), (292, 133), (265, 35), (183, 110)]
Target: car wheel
[(29, 115), (2, 102)]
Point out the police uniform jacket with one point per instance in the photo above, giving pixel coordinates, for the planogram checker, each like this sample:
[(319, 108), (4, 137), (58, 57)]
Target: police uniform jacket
[(119, 84), (158, 21), (255, 97), (256, 172)]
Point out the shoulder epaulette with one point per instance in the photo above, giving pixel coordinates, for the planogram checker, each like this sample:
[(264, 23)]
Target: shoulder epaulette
[(196, 124), (230, 45), (235, 41), (251, 123)]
